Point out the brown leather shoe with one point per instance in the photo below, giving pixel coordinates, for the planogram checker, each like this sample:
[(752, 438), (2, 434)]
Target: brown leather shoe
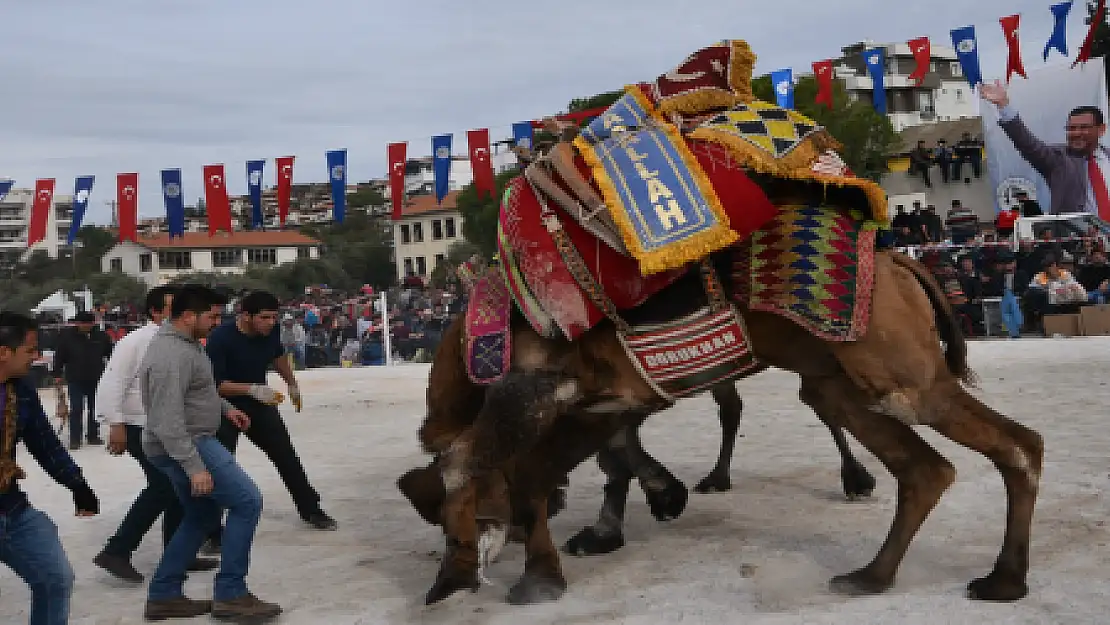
[(247, 606), (178, 607)]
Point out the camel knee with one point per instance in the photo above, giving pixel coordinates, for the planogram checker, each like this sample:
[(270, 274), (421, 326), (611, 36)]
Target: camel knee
[(900, 405)]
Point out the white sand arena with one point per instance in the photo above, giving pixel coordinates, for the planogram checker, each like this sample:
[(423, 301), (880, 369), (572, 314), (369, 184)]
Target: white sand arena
[(759, 554)]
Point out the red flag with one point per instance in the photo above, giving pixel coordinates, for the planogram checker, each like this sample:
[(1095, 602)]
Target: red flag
[(1013, 61), (127, 198), (823, 74), (395, 152), (480, 163), (1085, 50), (215, 199), (577, 117), (284, 186), (40, 211), (922, 51)]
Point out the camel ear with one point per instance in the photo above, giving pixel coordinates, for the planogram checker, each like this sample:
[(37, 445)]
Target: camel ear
[(424, 490)]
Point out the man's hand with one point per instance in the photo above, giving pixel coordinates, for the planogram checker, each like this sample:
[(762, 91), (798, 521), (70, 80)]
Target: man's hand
[(201, 483), (995, 94), (85, 501), (266, 395), (117, 439), (239, 419), (295, 397)]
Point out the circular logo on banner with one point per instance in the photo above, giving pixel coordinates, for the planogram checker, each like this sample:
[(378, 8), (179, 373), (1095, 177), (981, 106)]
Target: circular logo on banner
[(443, 152), (256, 178), (1006, 194), (873, 59), (783, 87), (173, 190), (967, 46), (82, 196), (525, 143), (337, 172)]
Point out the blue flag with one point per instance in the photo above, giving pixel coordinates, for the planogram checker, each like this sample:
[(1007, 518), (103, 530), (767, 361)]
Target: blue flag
[(522, 134), (876, 66), (82, 187), (337, 172), (175, 202), (5, 186), (967, 50), (783, 82), (1059, 38), (254, 190), (441, 165)]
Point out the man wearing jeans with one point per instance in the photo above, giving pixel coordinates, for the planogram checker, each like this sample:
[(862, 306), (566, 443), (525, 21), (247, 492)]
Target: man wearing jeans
[(82, 352), (29, 541), (183, 413)]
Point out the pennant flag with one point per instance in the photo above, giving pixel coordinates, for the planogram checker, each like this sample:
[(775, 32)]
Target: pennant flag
[(40, 211), (823, 74), (522, 135), (1085, 50), (441, 165), (284, 186), (254, 192), (337, 173), (5, 187), (967, 50), (783, 81), (127, 199), (480, 164), (216, 200), (877, 68), (922, 50), (395, 153), (82, 187), (174, 199), (1013, 60), (1059, 39)]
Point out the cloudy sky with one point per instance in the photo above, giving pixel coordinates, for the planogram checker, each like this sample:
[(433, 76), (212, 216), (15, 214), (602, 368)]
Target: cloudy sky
[(138, 85)]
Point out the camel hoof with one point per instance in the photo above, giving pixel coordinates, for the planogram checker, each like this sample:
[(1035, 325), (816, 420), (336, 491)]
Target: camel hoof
[(858, 583), (714, 483), (589, 542), (445, 586), (857, 481), (997, 587), (668, 503), (531, 589)]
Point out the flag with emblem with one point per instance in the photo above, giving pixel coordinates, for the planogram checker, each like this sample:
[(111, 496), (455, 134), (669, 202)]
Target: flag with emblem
[(254, 192), (823, 75), (1059, 39), (1088, 41), (1013, 59), (337, 174), (922, 51), (441, 165), (967, 51), (522, 135), (174, 200), (127, 200), (480, 162), (284, 165), (5, 187), (783, 81), (41, 206), (395, 153), (82, 187), (876, 66), (215, 199)]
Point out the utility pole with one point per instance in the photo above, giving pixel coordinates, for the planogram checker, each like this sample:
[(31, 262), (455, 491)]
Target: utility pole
[(115, 213)]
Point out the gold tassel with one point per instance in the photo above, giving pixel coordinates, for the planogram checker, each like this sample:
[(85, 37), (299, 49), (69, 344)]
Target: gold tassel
[(740, 70)]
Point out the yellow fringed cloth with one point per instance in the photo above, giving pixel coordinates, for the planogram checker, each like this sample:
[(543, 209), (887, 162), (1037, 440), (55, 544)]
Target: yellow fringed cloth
[(9, 470)]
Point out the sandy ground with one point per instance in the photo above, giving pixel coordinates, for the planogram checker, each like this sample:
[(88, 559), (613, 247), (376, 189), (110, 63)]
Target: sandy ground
[(759, 554)]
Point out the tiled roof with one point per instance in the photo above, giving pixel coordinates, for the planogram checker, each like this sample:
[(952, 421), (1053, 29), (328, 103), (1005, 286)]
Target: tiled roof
[(419, 204), (245, 238)]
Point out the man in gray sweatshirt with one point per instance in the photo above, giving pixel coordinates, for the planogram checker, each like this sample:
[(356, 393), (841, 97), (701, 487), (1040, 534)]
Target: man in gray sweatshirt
[(183, 412)]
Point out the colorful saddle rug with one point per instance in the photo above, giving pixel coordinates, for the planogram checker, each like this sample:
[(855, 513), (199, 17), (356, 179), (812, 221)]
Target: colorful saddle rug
[(814, 265), (487, 331)]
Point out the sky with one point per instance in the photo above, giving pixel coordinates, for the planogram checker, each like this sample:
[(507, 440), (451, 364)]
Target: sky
[(138, 85)]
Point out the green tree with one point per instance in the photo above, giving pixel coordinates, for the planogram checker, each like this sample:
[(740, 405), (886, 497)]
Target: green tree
[(480, 213), (597, 101), (868, 137), (366, 197), (1100, 43)]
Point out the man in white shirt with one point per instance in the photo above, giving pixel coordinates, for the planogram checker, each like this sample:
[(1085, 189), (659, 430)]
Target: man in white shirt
[(119, 406)]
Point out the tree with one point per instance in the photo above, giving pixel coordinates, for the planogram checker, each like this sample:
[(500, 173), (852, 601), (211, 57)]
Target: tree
[(1100, 43), (597, 101), (366, 197), (868, 137), (480, 213)]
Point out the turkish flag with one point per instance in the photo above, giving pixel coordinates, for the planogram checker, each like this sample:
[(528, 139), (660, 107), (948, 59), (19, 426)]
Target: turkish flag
[(395, 153), (284, 186), (1085, 49), (480, 162), (1013, 60), (40, 211), (215, 199), (823, 74), (127, 198), (922, 51)]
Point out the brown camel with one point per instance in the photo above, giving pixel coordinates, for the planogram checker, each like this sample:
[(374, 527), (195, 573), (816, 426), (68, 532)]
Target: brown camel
[(561, 401)]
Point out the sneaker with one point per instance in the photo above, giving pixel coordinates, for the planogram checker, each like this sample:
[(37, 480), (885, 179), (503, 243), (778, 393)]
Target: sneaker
[(178, 607), (203, 564), (118, 566), (247, 606), (321, 521), (211, 547)]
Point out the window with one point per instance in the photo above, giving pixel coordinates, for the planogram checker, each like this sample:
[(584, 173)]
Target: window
[(227, 258), (408, 267), (175, 259), (262, 256), (933, 66), (440, 258), (418, 233), (405, 237), (116, 265), (421, 266), (437, 229), (146, 263), (304, 253), (959, 95), (449, 226), (957, 69)]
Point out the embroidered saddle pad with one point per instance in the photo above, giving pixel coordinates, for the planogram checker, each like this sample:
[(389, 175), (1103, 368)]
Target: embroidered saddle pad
[(487, 330)]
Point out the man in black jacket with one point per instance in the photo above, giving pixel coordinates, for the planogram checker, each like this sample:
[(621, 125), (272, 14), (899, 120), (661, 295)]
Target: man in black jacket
[(79, 359)]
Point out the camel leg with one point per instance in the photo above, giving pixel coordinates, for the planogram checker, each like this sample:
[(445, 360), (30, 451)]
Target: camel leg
[(730, 407), (543, 574), (922, 474), (666, 494), (857, 481), (607, 534)]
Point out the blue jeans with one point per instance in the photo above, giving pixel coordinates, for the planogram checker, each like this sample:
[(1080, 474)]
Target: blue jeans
[(234, 491), (81, 393), (30, 545), (1010, 308)]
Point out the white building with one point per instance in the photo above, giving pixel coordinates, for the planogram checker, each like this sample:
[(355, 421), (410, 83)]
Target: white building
[(15, 216), (424, 232), (420, 172), (157, 259)]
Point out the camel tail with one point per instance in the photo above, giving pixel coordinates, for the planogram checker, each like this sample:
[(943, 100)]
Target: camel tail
[(955, 345)]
